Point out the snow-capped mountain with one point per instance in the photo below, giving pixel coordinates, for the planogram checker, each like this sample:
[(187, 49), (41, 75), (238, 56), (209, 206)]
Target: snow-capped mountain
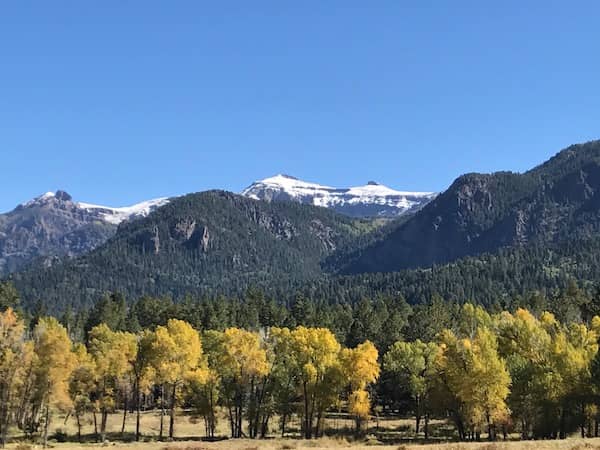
[(370, 200), (106, 213), (54, 225)]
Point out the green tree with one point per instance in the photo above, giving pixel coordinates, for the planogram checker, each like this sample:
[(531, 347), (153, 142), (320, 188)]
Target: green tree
[(415, 366)]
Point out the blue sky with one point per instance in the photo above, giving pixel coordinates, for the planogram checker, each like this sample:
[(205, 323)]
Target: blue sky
[(120, 101)]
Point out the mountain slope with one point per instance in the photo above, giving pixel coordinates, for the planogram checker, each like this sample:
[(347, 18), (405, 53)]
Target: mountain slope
[(371, 200), (53, 225), (206, 242), (553, 202)]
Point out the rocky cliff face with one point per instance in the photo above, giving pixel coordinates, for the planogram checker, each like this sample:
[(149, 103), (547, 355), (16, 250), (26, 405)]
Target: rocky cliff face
[(53, 225)]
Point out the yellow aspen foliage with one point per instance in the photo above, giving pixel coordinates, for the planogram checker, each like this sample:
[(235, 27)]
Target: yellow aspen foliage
[(359, 404), (361, 365), (361, 368), (316, 361), (473, 317), (113, 353), (82, 384), (54, 365), (55, 362), (16, 357), (476, 375), (240, 359), (244, 357), (177, 350), (595, 324), (524, 335), (176, 355)]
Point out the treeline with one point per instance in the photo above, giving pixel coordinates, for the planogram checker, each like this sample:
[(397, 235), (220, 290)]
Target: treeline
[(491, 374), (254, 376), (382, 319)]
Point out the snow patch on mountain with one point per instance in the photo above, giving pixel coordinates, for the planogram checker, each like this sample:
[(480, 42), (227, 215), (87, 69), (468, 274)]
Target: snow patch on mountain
[(370, 200), (118, 215), (109, 214)]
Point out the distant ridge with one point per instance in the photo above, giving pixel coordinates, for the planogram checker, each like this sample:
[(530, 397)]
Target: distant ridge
[(370, 200)]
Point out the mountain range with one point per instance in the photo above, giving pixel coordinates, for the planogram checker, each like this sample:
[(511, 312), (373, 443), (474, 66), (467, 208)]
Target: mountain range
[(54, 225), (370, 200), (488, 235)]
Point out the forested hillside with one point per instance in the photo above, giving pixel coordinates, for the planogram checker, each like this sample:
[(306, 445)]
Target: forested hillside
[(551, 203), (208, 242)]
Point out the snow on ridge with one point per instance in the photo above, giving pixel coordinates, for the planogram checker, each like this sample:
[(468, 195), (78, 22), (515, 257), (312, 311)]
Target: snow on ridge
[(39, 198), (293, 186), (118, 215), (290, 183), (371, 194), (107, 213), (381, 190)]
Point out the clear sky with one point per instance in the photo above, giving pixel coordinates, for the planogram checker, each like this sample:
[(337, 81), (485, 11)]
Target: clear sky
[(120, 101)]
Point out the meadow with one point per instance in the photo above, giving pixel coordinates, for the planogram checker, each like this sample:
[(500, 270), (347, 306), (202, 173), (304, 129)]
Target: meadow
[(386, 433)]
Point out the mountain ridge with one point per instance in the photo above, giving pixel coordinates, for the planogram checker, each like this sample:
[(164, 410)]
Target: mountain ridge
[(54, 225), (370, 200), (554, 201), (199, 242)]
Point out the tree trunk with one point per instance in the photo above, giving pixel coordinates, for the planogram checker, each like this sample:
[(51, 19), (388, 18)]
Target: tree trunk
[(137, 416), (318, 425), (283, 423), (231, 422), (264, 428), (426, 427), (46, 425), (78, 426), (104, 419), (212, 420), (307, 421), (162, 411), (95, 427), (172, 415), (562, 434), (125, 405)]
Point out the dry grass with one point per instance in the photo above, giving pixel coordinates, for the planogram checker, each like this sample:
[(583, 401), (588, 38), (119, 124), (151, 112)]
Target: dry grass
[(189, 430), (325, 444)]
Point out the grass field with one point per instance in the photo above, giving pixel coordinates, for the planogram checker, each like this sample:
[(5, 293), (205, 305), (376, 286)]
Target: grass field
[(386, 434), (326, 443)]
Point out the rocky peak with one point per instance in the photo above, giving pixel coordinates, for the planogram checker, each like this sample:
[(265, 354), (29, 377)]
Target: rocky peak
[(63, 196)]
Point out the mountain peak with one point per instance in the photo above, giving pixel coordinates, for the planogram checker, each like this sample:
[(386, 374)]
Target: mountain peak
[(371, 200), (63, 195), (46, 198), (108, 214), (289, 177)]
